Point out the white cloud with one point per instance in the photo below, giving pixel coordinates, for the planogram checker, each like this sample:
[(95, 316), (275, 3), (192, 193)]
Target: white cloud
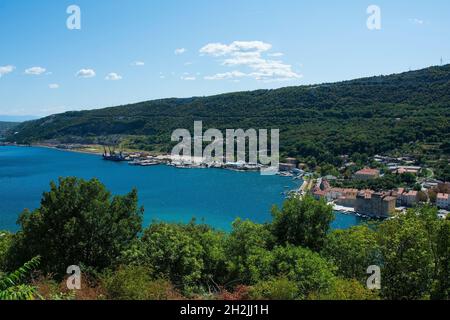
[(6, 69), (180, 51), (417, 21), (138, 64), (243, 58), (273, 70), (220, 49), (226, 75), (113, 77), (85, 73), (35, 71), (250, 55), (53, 86), (187, 77), (276, 54)]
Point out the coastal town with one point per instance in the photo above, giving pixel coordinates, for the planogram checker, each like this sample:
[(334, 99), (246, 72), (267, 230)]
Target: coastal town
[(380, 204)]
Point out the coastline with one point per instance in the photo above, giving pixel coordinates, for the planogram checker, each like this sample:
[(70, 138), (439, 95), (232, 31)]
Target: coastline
[(87, 152), (93, 152), (218, 196)]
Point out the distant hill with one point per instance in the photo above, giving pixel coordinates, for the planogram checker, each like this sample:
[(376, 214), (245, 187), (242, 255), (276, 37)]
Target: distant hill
[(318, 122), (5, 126)]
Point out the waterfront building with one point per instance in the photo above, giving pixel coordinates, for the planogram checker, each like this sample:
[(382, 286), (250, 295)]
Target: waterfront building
[(375, 204), (442, 201), (409, 198)]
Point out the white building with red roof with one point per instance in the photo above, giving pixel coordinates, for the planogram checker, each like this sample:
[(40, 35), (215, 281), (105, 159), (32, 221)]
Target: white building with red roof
[(442, 201)]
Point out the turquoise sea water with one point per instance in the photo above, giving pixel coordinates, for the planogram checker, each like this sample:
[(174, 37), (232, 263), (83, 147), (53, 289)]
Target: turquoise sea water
[(167, 194)]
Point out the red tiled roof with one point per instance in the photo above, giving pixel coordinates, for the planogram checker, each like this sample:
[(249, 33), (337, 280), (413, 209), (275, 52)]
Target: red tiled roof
[(368, 171), (443, 196)]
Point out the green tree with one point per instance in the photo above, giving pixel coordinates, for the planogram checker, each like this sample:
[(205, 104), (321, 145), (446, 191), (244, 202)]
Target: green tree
[(306, 268), (175, 253), (407, 257), (213, 254), (302, 222), (442, 286), (352, 251), (302, 267), (78, 223), (246, 251)]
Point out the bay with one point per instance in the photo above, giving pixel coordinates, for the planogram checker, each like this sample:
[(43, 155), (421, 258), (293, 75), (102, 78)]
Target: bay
[(214, 196)]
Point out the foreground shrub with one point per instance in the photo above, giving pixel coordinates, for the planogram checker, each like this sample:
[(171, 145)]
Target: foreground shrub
[(302, 222), (238, 294), (407, 245), (136, 283), (275, 289), (190, 256), (344, 289), (248, 258), (78, 223), (13, 286), (307, 269), (441, 288), (5, 245), (352, 251)]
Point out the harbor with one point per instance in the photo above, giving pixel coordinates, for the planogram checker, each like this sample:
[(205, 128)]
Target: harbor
[(307, 185), (166, 192), (145, 159)]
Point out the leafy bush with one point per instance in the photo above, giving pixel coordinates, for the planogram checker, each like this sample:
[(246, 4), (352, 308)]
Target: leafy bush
[(408, 247), (246, 252), (307, 269), (78, 223), (275, 289), (136, 283), (352, 251), (12, 287), (191, 256), (344, 289), (5, 245), (302, 222)]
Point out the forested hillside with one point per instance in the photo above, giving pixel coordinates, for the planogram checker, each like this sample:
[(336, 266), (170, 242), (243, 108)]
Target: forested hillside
[(5, 126), (318, 123)]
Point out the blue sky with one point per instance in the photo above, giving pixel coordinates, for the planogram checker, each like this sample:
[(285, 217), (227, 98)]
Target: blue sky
[(223, 46)]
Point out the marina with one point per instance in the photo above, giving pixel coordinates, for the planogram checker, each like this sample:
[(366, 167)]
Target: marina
[(214, 196)]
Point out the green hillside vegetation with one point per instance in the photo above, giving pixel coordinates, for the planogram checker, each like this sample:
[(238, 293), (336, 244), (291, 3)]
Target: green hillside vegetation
[(317, 123), (6, 126), (296, 256)]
